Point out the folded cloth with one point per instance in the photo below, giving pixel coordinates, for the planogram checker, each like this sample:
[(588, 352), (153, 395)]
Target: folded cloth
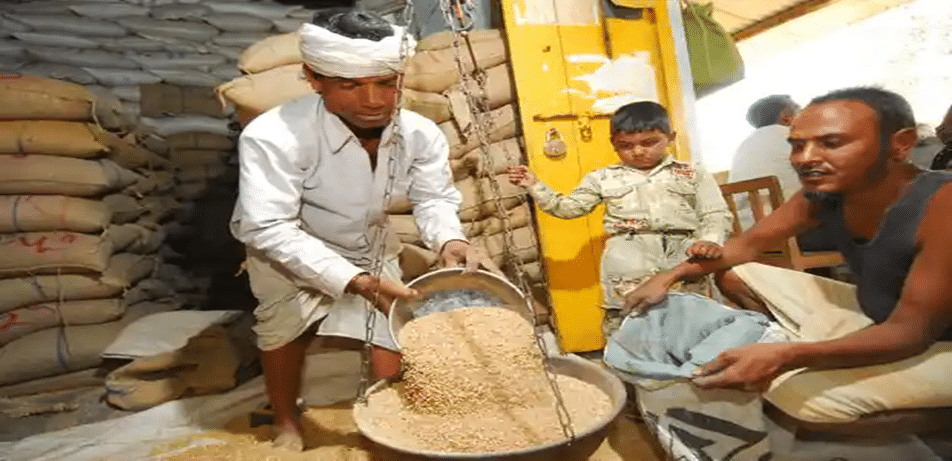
[(675, 337)]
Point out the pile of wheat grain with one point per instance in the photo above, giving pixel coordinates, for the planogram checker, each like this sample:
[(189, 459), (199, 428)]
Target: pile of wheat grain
[(474, 382)]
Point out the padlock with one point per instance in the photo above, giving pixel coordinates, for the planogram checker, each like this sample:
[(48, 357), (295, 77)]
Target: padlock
[(554, 146)]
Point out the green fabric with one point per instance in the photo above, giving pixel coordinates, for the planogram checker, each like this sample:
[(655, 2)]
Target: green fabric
[(715, 60)]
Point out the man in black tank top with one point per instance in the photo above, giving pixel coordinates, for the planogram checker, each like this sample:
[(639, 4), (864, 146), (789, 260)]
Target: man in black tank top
[(889, 218)]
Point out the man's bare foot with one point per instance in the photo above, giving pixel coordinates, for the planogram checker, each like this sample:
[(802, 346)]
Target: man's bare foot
[(288, 438)]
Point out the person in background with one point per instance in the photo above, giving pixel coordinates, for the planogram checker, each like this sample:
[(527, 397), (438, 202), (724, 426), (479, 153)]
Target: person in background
[(926, 148), (943, 159), (890, 220), (766, 152), (657, 208), (311, 203)]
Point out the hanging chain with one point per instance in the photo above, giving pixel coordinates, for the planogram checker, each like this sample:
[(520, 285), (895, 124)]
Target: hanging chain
[(479, 110), (395, 146)]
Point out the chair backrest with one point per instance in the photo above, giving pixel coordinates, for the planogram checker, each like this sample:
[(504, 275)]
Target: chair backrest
[(757, 191), (787, 254)]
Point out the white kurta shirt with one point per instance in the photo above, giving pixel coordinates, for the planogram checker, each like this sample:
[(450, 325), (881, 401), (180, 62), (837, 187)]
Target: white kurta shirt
[(307, 196), (766, 152)]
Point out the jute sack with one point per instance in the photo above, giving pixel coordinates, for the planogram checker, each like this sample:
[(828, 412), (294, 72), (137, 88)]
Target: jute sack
[(135, 238), (50, 137), (444, 39), (28, 97), (416, 261), (159, 208), (400, 206), (524, 248), (21, 322), (518, 217), (207, 363), (255, 94), (435, 71), (478, 198), (502, 154), (123, 208), (56, 351), (125, 269), (189, 157), (502, 126), (274, 51), (499, 88), (52, 253), (200, 141), (433, 106), (44, 174), (151, 182), (33, 213), (404, 226)]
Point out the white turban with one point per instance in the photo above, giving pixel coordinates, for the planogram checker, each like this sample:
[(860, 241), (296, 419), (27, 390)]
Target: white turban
[(335, 55)]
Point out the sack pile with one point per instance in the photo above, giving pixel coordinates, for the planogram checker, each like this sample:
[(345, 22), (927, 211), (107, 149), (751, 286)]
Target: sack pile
[(81, 217), (431, 88)]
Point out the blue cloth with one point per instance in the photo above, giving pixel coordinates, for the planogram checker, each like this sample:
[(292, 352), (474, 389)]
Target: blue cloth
[(678, 335)]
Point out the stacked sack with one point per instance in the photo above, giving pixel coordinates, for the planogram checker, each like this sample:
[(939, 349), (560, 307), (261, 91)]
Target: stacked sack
[(431, 88), (74, 267), (116, 46), (206, 177)]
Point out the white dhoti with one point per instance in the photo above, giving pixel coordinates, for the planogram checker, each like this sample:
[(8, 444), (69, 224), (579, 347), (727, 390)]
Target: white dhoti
[(812, 308), (287, 307)]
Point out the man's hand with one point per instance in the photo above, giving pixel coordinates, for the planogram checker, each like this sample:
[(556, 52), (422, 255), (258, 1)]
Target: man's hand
[(750, 367), (379, 291), (521, 175), (456, 253), (649, 293), (703, 249)]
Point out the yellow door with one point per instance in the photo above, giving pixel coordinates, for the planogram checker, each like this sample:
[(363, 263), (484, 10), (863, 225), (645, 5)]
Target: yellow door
[(573, 66)]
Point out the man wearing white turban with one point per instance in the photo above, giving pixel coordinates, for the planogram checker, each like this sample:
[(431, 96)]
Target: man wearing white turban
[(311, 195)]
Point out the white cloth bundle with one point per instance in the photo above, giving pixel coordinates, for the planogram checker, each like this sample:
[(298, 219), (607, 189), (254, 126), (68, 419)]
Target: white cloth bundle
[(335, 55)]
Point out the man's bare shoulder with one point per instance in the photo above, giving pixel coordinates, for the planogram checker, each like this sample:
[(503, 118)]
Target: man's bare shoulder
[(936, 222)]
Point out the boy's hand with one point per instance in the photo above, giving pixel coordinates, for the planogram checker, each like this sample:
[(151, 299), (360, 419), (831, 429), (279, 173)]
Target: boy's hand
[(704, 250), (521, 175)]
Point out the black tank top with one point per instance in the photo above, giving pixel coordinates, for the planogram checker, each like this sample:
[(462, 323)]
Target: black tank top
[(882, 264)]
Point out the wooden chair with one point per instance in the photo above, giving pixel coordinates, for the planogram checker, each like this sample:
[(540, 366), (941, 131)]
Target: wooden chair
[(788, 254)]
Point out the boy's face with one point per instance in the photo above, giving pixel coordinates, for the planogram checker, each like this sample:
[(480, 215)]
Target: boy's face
[(643, 150)]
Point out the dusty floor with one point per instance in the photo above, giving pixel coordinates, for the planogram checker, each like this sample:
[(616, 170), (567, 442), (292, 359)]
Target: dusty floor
[(331, 435)]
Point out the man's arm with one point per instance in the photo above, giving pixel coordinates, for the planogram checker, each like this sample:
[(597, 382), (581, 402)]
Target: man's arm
[(434, 197), (269, 197), (923, 314), (792, 218)]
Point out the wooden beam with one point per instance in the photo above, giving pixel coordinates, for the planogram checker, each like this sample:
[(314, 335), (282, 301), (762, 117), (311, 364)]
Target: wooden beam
[(800, 9)]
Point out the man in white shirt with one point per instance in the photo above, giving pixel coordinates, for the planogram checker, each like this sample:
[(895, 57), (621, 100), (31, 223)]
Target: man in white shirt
[(766, 152), (311, 202)]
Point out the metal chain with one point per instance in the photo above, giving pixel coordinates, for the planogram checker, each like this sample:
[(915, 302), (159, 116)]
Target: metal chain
[(395, 146), (479, 110)]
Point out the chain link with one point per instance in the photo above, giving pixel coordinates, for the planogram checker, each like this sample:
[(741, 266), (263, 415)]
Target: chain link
[(395, 146), (479, 110)]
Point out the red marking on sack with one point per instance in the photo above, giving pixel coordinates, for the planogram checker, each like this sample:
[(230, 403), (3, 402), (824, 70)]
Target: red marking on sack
[(38, 246), (68, 238), (9, 319)]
